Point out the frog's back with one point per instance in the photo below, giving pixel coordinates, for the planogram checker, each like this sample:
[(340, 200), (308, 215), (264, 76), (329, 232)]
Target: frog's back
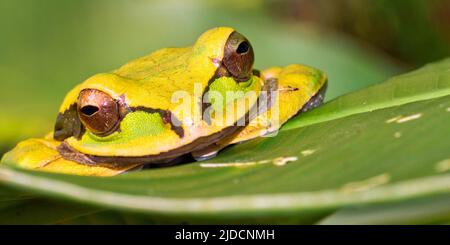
[(161, 63)]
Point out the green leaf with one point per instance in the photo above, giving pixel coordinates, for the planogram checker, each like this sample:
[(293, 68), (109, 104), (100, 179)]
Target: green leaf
[(42, 211), (430, 210), (387, 144)]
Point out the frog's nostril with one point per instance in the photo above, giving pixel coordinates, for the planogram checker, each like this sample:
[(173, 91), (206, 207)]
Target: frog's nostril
[(89, 110)]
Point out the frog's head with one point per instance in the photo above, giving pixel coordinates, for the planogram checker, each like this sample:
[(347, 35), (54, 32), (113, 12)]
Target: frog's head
[(130, 114)]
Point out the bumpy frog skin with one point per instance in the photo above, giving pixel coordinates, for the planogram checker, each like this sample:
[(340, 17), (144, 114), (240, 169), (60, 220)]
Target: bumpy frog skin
[(117, 121)]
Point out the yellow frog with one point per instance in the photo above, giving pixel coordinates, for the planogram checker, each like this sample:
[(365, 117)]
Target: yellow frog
[(175, 101)]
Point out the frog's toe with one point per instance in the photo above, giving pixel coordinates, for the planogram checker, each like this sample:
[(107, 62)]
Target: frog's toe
[(204, 155)]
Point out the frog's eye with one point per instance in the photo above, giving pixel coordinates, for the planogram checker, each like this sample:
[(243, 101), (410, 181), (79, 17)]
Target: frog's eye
[(238, 57), (98, 111)]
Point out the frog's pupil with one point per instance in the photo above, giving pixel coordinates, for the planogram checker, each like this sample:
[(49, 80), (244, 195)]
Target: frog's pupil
[(242, 48), (89, 110)]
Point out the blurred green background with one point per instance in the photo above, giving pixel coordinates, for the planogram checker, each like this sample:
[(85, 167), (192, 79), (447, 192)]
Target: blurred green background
[(48, 46)]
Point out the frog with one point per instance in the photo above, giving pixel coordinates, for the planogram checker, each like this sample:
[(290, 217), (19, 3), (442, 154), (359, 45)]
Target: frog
[(160, 108)]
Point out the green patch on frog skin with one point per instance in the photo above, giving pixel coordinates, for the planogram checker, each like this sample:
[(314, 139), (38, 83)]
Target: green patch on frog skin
[(134, 125), (230, 90)]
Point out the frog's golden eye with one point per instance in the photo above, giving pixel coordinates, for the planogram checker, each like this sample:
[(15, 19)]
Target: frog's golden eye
[(238, 57), (98, 111)]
